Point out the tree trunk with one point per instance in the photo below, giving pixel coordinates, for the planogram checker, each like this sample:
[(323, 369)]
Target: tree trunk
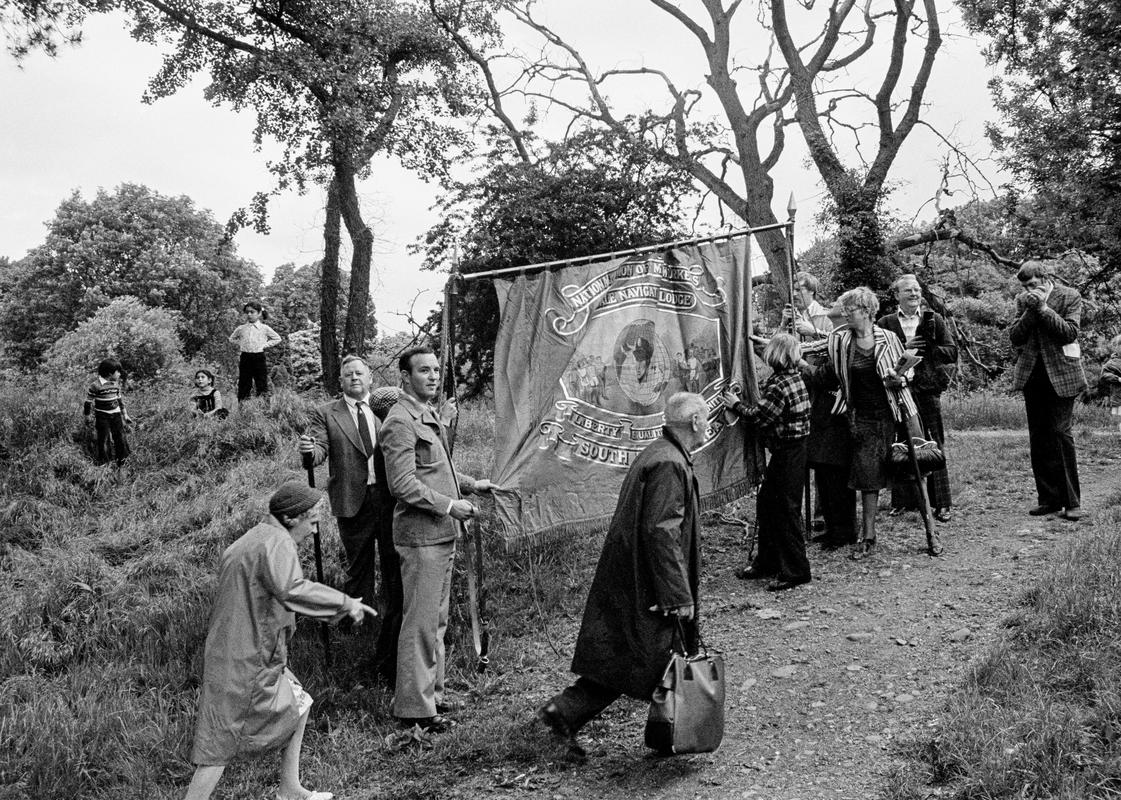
[(863, 258), (329, 293), (362, 242)]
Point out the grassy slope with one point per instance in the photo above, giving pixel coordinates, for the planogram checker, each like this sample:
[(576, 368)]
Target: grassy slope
[(1040, 714), (105, 593)]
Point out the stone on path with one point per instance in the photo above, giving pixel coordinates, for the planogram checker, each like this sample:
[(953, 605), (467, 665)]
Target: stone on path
[(768, 613), (795, 626), (785, 672), (859, 636), (961, 635)]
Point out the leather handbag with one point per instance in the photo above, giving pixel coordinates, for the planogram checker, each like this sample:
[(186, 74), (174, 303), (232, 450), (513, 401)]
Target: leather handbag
[(687, 709), (927, 452)]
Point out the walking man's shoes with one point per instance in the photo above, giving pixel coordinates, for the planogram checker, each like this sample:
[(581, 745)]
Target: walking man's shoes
[(1043, 510), (550, 715), (1073, 513), (782, 585)]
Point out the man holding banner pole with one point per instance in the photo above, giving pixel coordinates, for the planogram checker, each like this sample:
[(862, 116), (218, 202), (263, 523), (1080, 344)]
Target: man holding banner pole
[(426, 524)]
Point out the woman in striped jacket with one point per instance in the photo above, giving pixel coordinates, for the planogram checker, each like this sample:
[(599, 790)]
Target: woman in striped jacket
[(875, 398)]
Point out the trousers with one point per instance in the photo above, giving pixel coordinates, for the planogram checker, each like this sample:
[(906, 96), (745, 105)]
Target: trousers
[(252, 372), (1054, 462)]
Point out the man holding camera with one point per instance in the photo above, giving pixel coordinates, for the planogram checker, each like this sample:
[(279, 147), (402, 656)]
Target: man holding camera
[(1048, 370)]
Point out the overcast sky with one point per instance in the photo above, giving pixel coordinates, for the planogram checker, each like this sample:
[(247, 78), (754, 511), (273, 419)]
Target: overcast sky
[(76, 122)]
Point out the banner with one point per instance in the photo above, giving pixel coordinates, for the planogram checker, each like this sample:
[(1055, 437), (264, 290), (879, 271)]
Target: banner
[(585, 358)]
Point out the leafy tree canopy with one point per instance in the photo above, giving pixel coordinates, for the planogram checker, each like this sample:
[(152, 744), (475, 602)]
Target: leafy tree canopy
[(594, 193), (1060, 105), (132, 241)]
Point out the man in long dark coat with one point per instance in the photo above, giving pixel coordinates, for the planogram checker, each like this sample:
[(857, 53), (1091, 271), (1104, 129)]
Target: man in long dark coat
[(647, 575)]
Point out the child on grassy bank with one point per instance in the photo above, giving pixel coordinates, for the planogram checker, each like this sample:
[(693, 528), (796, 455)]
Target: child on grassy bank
[(105, 400), (253, 338), (207, 400), (250, 701)]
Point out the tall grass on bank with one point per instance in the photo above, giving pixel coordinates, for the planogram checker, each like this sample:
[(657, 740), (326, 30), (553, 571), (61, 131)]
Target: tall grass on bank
[(1040, 715), (105, 582), (106, 578), (997, 410)]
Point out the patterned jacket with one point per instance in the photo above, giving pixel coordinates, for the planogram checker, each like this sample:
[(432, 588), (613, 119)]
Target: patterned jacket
[(888, 350), (1049, 333), (783, 410)]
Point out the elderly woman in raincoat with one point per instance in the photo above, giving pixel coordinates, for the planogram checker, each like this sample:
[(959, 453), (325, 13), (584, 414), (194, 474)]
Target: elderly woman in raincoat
[(250, 701)]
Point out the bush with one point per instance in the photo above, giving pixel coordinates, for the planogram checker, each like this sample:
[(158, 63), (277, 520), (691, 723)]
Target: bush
[(304, 361), (142, 338)]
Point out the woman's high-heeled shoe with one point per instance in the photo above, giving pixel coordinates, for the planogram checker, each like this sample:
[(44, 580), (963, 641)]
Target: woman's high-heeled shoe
[(863, 549)]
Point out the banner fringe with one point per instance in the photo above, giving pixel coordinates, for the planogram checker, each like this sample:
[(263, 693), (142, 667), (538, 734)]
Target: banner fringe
[(516, 542)]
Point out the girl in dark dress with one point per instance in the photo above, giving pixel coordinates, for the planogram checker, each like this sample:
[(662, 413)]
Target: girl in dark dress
[(207, 400)]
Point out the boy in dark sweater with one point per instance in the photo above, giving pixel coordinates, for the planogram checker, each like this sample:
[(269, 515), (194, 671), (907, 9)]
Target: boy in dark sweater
[(104, 399)]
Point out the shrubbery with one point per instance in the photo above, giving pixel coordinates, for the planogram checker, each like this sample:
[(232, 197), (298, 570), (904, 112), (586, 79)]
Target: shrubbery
[(144, 339)]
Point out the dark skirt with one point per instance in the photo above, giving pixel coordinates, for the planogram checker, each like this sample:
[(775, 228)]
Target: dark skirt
[(871, 448), (904, 494)]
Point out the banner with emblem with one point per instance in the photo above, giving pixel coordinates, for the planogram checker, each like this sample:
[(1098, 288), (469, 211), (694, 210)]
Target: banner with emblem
[(585, 358)]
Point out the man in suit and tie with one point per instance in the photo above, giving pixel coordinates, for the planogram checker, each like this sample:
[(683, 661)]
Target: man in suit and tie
[(1048, 369), (426, 522), (344, 433)]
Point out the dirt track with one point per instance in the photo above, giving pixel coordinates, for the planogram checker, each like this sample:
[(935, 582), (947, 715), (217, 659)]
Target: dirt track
[(824, 682)]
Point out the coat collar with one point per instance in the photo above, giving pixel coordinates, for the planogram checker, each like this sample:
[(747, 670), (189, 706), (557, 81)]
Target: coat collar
[(417, 410), (346, 424), (672, 438)]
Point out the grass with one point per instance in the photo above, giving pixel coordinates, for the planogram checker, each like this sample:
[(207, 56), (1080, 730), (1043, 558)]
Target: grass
[(105, 586), (1040, 715), (993, 410)]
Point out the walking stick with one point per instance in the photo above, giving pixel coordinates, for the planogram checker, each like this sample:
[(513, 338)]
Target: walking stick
[(324, 631), (933, 542)]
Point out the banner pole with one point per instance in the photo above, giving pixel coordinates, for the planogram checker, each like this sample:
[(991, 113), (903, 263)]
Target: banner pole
[(634, 251), (791, 211), (472, 540)]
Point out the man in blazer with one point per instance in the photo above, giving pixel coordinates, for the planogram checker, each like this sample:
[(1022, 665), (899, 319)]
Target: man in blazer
[(345, 433), (1048, 370), (426, 523)]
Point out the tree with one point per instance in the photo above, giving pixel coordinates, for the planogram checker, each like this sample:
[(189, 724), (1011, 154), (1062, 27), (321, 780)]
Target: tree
[(800, 81), (136, 242), (1060, 105), (594, 193), (334, 82), (294, 303), (44, 24)]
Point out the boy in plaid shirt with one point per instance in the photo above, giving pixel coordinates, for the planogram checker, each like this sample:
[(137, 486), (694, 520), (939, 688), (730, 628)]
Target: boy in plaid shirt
[(105, 400), (782, 415)]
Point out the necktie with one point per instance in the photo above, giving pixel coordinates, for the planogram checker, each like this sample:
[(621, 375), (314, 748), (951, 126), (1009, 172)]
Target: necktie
[(364, 429)]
